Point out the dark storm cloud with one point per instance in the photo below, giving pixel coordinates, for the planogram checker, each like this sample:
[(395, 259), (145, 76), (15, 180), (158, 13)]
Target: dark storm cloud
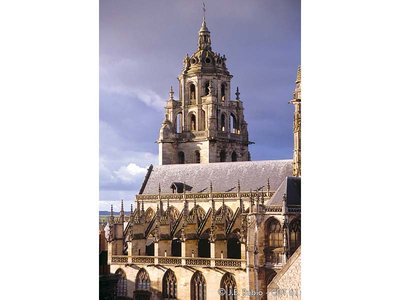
[(142, 45)]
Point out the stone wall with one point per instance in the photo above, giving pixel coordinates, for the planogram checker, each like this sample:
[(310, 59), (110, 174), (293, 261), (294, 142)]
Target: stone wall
[(286, 285)]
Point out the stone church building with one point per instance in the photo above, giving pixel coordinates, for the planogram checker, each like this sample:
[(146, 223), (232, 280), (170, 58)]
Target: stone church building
[(209, 223)]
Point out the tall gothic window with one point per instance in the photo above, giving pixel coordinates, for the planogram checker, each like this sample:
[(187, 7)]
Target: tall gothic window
[(223, 122), (192, 122), (142, 280), (206, 88), (228, 283), (169, 289), (181, 157), (295, 234), (198, 287), (121, 284), (176, 248), (233, 124), (203, 247), (223, 88), (192, 92), (234, 248), (275, 234), (202, 120)]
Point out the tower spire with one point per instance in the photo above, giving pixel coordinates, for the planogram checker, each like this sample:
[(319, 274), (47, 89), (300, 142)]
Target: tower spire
[(204, 12), (204, 35)]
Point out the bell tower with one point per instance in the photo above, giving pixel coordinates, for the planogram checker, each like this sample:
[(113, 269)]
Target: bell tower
[(203, 125)]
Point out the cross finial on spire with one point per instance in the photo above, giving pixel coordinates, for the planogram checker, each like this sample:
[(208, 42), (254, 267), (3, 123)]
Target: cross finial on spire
[(204, 12), (171, 94), (237, 93)]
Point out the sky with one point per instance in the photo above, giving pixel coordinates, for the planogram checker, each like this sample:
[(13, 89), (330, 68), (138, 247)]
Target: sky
[(142, 46)]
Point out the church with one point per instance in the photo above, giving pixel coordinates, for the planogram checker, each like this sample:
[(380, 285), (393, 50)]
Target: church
[(209, 223)]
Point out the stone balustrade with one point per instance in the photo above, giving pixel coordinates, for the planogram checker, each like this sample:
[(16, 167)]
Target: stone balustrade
[(179, 261)]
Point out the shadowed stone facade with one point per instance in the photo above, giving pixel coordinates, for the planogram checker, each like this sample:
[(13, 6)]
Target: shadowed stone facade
[(209, 223)]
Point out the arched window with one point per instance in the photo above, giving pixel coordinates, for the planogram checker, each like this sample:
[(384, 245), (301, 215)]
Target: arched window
[(197, 154), (142, 280), (202, 120), (169, 289), (149, 214), (274, 241), (234, 156), (176, 249), (295, 234), (181, 157), (206, 88), (222, 156), (149, 251), (178, 123), (203, 247), (274, 233), (233, 124), (228, 283), (192, 121), (122, 283), (198, 287), (203, 244), (223, 87), (233, 248), (223, 122), (192, 90)]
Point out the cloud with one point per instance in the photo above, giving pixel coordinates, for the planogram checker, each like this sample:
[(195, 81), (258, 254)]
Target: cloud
[(117, 76), (147, 96), (131, 172)]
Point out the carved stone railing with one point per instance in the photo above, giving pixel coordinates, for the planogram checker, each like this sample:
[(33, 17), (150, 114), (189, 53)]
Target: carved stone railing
[(228, 263), (119, 259), (205, 196), (198, 261), (277, 208), (170, 260), (143, 260), (179, 261)]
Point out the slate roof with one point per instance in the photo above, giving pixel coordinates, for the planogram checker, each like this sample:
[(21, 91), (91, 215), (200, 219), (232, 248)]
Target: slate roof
[(291, 186), (224, 176)]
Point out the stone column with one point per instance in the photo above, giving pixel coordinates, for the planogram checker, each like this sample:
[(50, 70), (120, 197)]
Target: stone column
[(130, 252), (212, 253), (183, 252), (109, 252), (156, 252), (243, 255)]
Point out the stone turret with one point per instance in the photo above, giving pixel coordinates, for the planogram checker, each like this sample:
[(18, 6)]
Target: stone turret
[(296, 101)]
